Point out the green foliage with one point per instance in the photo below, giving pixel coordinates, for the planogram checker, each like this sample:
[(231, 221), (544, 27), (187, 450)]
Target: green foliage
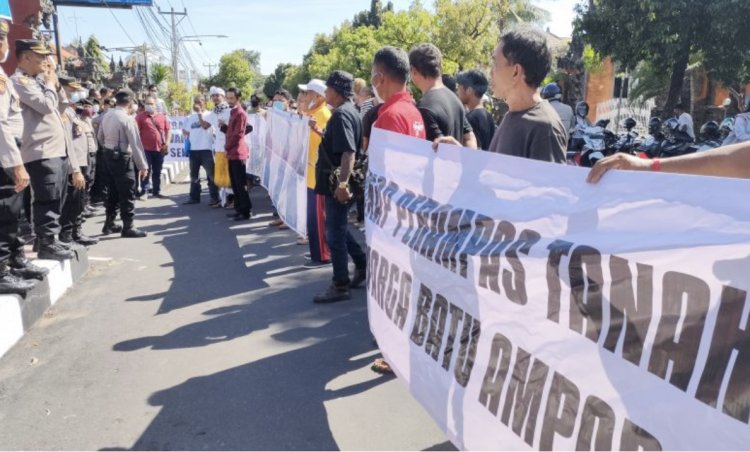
[(276, 80), (159, 73), (592, 61), (650, 83), (93, 50), (238, 69), (374, 16), (179, 96), (665, 33)]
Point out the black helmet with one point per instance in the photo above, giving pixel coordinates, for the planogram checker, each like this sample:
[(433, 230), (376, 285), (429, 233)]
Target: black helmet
[(671, 126), (710, 131), (630, 124), (654, 125), (551, 91), (582, 109)]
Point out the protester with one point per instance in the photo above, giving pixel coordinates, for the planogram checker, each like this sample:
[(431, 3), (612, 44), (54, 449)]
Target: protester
[(319, 117), (341, 141), (365, 100), (161, 107), (472, 86), (531, 128), (122, 145), (741, 131), (156, 134), (685, 120), (237, 154), (390, 72), (201, 136), (255, 105), (450, 82), (441, 110), (219, 115)]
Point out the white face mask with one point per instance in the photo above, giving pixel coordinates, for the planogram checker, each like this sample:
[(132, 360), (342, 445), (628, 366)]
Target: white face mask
[(376, 94), (149, 109), (96, 109), (5, 55)]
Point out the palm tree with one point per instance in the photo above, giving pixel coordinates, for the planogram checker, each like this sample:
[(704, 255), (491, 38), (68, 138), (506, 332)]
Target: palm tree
[(160, 73)]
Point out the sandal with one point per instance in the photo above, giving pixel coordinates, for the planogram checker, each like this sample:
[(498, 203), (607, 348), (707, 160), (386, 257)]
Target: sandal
[(381, 366)]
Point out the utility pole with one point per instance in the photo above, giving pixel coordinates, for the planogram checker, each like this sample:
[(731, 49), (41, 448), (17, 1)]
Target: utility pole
[(175, 39), (209, 66)]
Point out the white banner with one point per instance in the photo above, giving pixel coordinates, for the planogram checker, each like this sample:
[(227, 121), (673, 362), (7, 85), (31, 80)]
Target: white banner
[(284, 172), (177, 145), (526, 309), (256, 141)]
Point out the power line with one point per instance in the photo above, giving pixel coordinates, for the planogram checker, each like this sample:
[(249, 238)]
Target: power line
[(124, 30)]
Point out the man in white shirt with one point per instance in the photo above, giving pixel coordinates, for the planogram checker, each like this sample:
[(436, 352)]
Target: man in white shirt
[(201, 134), (685, 120), (218, 117)]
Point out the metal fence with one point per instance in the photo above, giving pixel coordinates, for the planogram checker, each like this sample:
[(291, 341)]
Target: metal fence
[(616, 110)]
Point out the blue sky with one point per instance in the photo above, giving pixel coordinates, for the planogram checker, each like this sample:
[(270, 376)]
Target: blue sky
[(282, 30)]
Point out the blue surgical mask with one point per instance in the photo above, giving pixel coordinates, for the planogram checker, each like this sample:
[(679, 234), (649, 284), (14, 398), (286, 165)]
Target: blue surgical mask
[(74, 98), (279, 105)]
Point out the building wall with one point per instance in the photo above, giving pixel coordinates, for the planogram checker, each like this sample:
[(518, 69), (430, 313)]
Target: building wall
[(600, 86), (25, 16)]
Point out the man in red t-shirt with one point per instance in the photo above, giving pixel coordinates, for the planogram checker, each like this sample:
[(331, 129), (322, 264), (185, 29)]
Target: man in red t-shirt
[(390, 70), (237, 154), (156, 134)]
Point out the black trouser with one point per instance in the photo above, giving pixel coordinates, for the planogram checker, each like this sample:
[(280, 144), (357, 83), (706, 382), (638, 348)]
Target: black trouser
[(48, 179), (155, 161), (98, 190), (10, 210), (90, 178), (238, 178), (203, 159), (72, 212), (121, 188)]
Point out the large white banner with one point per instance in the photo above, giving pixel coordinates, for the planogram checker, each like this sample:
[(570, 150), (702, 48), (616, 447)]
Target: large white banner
[(284, 172), (526, 309)]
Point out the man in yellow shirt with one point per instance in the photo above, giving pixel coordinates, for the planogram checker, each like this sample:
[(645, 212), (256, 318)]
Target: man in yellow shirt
[(316, 108)]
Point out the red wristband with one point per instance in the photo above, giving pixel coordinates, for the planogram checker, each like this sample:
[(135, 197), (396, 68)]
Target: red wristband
[(656, 165)]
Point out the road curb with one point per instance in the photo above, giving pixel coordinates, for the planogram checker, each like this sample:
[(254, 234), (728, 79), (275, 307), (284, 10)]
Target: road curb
[(171, 170), (18, 314)]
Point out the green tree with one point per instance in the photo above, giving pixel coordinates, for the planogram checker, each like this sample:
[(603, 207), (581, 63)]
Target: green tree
[(179, 96), (372, 17), (466, 31), (236, 70), (93, 50), (405, 29), (665, 33), (276, 80)]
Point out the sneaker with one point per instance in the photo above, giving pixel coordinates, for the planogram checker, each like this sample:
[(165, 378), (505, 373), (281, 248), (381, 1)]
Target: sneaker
[(276, 222), (302, 241), (334, 294), (215, 203), (191, 201), (309, 263)]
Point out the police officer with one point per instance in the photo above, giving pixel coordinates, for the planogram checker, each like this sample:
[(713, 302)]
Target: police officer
[(45, 149), (118, 134), (13, 176), (71, 219), (86, 111)]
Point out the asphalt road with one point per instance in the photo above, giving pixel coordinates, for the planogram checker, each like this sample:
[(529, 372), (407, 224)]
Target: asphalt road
[(203, 336)]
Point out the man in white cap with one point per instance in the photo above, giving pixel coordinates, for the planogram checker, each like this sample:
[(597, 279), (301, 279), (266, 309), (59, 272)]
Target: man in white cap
[(315, 98), (218, 117)]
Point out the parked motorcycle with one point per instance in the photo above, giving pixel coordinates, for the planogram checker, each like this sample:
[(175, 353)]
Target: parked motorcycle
[(650, 147), (710, 136), (628, 141), (597, 143), (677, 141)]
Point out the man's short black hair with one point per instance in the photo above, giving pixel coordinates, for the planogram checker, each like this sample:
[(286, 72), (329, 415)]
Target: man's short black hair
[(680, 106), (394, 61), (283, 93), (450, 82), (124, 97), (427, 60), (528, 48), (236, 91), (474, 79), (151, 87)]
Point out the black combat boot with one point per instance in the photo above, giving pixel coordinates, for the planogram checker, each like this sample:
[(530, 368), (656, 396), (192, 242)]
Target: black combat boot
[(12, 284)]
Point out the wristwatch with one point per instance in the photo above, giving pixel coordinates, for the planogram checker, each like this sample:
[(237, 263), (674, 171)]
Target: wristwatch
[(343, 184)]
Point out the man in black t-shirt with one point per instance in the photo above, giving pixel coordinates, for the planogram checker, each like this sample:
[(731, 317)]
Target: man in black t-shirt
[(342, 139), (472, 85), (441, 110)]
